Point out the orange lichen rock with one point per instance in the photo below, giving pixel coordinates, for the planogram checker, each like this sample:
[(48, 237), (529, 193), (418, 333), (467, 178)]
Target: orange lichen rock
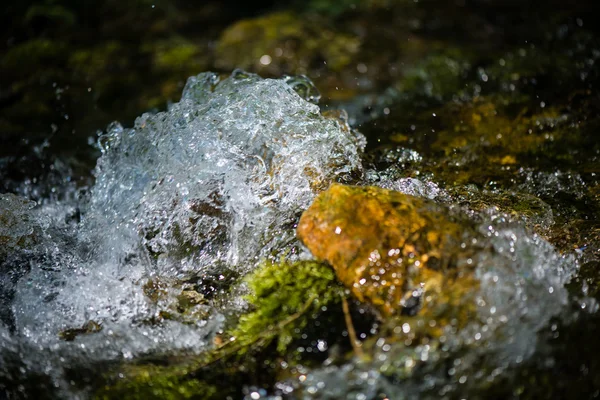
[(403, 254)]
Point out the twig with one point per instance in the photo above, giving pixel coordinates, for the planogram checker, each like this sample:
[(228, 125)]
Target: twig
[(356, 345)]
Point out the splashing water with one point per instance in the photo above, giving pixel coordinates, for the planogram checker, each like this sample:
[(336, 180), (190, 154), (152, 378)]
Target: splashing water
[(522, 286), (201, 191), (204, 191)]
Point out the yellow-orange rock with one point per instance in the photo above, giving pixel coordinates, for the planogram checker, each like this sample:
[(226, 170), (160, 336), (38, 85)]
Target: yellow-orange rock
[(398, 252)]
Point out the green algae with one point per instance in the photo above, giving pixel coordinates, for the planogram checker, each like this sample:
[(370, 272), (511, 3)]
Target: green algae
[(154, 382), (281, 293)]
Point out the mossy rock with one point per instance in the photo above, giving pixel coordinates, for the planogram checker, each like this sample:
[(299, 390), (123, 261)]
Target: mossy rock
[(395, 251), (523, 207), (290, 44), (486, 124)]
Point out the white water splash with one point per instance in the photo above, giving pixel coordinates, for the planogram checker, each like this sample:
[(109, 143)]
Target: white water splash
[(209, 187)]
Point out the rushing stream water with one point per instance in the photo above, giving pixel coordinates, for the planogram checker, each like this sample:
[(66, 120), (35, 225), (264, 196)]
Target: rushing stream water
[(205, 191), (148, 262)]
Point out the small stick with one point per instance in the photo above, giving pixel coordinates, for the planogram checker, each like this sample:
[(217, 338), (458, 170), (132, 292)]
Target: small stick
[(351, 332)]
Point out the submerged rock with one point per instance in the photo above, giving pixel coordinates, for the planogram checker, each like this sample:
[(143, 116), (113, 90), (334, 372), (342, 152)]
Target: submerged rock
[(87, 328)]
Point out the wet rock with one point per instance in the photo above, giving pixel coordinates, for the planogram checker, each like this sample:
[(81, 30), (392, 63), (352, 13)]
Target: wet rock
[(17, 230), (296, 43), (175, 300), (189, 298), (452, 288), (529, 209), (71, 333), (393, 250), (155, 289)]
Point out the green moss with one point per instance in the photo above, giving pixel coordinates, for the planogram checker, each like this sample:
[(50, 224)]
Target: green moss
[(152, 382), (284, 296)]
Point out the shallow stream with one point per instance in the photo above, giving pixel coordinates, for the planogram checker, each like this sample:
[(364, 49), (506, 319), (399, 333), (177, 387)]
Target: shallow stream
[(133, 252)]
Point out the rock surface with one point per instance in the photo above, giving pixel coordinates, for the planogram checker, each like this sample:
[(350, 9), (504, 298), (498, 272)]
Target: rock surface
[(17, 231), (391, 249)]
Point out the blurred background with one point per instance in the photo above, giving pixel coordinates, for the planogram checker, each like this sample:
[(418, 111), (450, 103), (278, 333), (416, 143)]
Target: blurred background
[(70, 67)]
